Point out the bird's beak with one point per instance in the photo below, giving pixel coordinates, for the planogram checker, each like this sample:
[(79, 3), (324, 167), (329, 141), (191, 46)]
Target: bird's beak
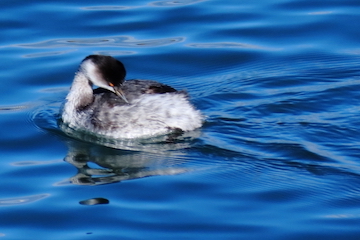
[(120, 93)]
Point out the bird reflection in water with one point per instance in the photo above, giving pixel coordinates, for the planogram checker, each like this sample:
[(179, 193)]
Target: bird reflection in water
[(102, 165)]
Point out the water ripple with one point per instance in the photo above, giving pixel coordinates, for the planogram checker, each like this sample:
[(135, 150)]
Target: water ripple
[(116, 41), (106, 8), (47, 54), (228, 45), (174, 3), (4, 109), (22, 200), (114, 52)]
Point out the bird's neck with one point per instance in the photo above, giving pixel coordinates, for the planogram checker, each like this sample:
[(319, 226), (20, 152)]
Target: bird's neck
[(80, 94)]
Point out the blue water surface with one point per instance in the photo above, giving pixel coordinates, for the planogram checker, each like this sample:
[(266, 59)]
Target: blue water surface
[(278, 156)]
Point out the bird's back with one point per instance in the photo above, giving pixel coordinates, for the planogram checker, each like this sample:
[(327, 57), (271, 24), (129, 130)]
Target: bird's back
[(153, 109)]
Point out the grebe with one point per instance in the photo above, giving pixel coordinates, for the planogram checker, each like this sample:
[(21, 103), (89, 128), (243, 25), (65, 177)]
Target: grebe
[(124, 109)]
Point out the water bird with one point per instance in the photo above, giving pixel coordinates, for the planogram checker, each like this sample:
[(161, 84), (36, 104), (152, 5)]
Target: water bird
[(125, 109)]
